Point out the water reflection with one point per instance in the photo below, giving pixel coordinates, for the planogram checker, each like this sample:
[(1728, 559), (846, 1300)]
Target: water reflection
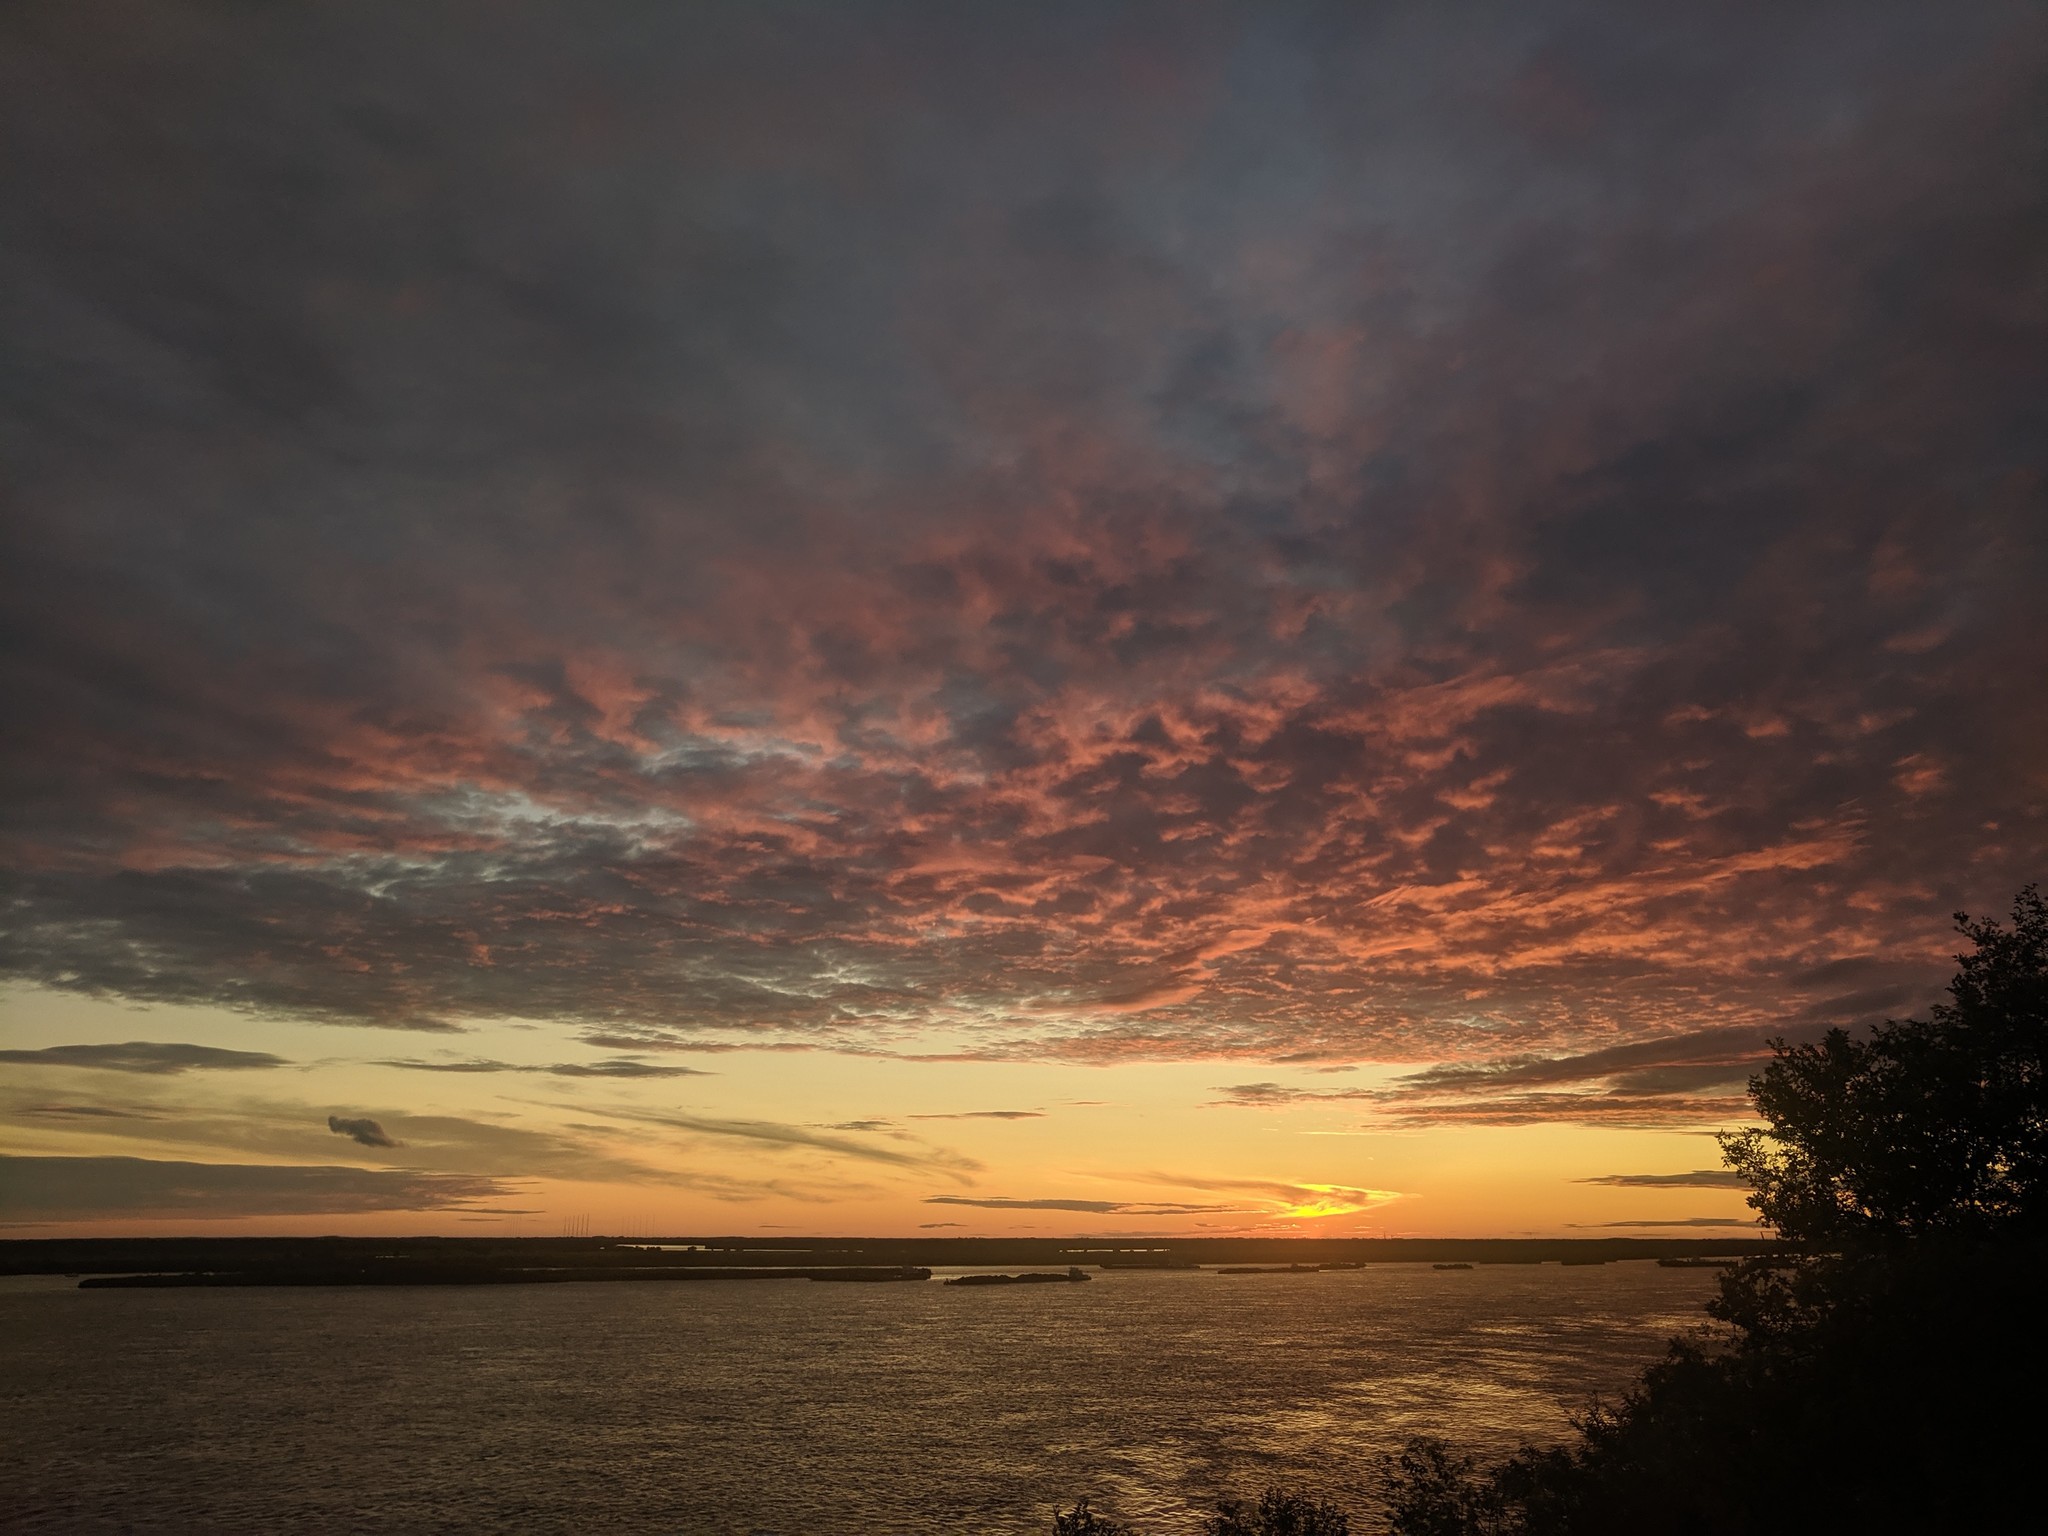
[(790, 1408)]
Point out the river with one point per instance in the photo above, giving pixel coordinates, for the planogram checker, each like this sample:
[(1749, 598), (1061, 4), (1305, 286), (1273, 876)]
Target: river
[(787, 1407)]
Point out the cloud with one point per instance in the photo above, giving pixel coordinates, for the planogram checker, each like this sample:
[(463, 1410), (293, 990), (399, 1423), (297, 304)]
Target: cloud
[(143, 1056), (1686, 1221), (987, 1114), (364, 1132), (863, 1125), (83, 1112), (1541, 578), (1693, 1078), (88, 1188), (775, 1134), (643, 1042), (1672, 1064), (1676, 1080), (276, 1129), (1270, 1095), (1262, 1197), (1704, 1178), (613, 1069), (1090, 1207), (1288, 1198)]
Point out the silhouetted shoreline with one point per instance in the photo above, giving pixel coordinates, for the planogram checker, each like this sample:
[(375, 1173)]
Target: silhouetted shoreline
[(151, 1263), (403, 1272)]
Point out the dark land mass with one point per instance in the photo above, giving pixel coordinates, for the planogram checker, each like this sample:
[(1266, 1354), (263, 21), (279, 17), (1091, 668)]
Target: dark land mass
[(1032, 1277), (161, 1261), (403, 1272)]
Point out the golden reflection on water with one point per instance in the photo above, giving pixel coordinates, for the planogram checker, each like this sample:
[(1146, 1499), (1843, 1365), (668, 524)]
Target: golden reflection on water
[(790, 1407)]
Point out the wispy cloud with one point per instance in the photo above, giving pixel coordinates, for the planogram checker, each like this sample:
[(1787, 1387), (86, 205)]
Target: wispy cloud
[(1087, 1207), (620, 1068), (1670, 1081), (1676, 1080), (46, 1188), (1749, 1222), (362, 1130), (145, 1056), (1703, 1178), (1271, 1095), (772, 1133), (1288, 1198)]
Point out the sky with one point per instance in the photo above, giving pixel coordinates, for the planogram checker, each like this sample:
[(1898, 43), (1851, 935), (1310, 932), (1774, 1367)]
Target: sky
[(1073, 619)]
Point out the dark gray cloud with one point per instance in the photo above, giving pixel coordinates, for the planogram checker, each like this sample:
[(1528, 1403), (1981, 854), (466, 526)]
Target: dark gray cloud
[(1298, 533), (1703, 1178), (1682, 1079), (775, 1134), (1675, 1080), (152, 1057), (1683, 1221), (613, 1069), (85, 1188), (986, 1114), (1270, 1095), (1088, 1207), (1711, 1058), (83, 1112), (363, 1131)]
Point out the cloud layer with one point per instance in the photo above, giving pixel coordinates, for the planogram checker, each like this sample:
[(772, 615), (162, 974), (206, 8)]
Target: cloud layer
[(69, 1188), (1101, 532), (155, 1058)]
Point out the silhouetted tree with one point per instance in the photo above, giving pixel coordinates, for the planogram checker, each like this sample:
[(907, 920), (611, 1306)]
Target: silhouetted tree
[(1278, 1513), (1868, 1382), (1083, 1521), (1431, 1490), (1929, 1128)]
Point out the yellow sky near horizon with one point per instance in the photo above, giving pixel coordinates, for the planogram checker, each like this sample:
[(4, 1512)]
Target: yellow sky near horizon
[(782, 1141)]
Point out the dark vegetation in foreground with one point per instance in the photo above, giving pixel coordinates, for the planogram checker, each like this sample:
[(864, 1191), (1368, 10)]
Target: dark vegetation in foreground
[(1878, 1381)]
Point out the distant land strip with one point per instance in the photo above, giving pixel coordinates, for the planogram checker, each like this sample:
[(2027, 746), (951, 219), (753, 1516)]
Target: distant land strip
[(244, 1261)]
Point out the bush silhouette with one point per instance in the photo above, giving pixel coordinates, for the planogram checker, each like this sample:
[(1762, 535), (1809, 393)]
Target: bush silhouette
[(1867, 1384), (1083, 1521), (1278, 1513), (1932, 1128)]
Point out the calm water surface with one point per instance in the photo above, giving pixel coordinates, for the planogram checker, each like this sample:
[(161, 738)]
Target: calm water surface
[(785, 1407)]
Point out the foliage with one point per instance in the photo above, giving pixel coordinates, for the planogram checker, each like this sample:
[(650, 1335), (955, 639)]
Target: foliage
[(1277, 1513), (1083, 1521), (1934, 1128), (1431, 1490), (1867, 1384)]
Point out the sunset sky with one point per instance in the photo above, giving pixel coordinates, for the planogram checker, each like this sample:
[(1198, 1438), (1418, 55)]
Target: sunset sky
[(1038, 619)]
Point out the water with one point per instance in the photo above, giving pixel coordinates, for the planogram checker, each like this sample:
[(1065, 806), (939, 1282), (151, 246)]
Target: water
[(786, 1407)]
